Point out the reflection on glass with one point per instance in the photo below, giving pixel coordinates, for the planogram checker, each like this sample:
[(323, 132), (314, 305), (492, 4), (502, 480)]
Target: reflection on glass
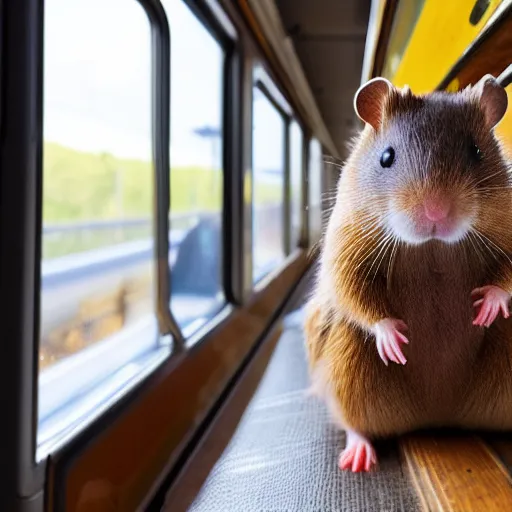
[(295, 182), (195, 258), (268, 185), (315, 190), (97, 176), (404, 22)]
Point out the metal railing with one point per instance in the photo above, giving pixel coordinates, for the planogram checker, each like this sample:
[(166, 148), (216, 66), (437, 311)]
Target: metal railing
[(124, 251), (101, 225), (94, 276), (109, 252)]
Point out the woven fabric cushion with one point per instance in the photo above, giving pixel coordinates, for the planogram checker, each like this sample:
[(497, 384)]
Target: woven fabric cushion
[(283, 456)]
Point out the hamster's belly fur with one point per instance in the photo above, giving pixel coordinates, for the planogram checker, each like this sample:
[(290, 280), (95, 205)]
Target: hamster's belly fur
[(430, 291)]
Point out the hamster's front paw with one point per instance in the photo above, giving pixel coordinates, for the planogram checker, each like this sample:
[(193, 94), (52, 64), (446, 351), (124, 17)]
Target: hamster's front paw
[(388, 338), (493, 300)]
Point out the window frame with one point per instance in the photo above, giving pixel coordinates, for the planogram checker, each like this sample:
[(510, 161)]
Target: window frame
[(20, 198), (146, 352), (21, 195), (315, 232), (262, 81), (219, 26), (212, 14), (209, 13), (268, 86), (171, 340), (302, 232)]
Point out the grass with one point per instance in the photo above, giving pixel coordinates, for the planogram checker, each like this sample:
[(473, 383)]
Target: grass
[(61, 244), (81, 186)]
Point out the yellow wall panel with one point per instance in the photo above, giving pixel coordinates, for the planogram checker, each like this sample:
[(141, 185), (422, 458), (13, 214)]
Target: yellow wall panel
[(442, 34), (504, 129)]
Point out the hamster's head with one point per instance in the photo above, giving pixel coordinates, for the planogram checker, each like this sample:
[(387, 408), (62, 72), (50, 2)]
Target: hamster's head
[(430, 164)]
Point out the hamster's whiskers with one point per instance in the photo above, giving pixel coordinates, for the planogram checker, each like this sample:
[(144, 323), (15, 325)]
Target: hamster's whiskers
[(489, 244), (474, 243), (364, 246), (384, 251), (489, 191), (392, 258), (382, 246), (487, 178)]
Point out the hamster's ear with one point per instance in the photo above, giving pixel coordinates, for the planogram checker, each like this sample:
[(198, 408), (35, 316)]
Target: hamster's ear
[(369, 100), (493, 99)]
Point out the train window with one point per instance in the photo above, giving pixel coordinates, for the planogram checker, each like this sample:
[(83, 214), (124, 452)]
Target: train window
[(268, 185), (315, 190), (296, 196), (97, 310), (197, 65)]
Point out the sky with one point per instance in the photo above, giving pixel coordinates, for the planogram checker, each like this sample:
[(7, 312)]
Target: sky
[(97, 82)]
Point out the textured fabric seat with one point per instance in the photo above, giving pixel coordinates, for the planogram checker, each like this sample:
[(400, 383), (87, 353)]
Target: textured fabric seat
[(283, 456)]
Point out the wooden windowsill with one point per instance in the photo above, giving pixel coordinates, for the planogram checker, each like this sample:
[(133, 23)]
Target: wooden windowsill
[(455, 473)]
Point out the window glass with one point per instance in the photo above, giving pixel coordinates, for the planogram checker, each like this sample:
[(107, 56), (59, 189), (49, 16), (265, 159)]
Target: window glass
[(197, 63), (268, 185), (296, 197), (404, 22), (315, 191), (97, 247)]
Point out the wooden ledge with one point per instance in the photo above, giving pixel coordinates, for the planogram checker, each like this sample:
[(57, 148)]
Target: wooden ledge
[(456, 473)]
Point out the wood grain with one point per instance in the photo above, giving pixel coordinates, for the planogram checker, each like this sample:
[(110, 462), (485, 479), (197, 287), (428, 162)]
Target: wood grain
[(457, 473)]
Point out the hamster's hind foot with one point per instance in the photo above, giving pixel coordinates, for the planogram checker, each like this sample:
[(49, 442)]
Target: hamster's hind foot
[(388, 338), (358, 455), (493, 300)]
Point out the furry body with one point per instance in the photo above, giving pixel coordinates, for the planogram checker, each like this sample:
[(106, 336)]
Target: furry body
[(381, 259)]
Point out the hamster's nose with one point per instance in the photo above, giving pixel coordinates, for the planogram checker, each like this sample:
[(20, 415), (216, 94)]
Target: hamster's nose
[(436, 209)]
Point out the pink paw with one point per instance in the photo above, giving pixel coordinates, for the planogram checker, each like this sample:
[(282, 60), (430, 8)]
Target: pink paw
[(358, 454), (493, 300), (388, 338)]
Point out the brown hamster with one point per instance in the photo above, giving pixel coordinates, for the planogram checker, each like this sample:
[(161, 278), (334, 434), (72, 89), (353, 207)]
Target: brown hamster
[(406, 327)]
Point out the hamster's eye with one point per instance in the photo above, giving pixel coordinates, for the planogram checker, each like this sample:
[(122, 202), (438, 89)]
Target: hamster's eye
[(475, 152), (388, 157)]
